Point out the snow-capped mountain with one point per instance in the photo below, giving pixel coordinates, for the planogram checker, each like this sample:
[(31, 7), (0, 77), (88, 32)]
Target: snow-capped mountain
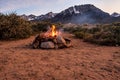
[(115, 14), (46, 16), (82, 14), (39, 18), (78, 14), (31, 17), (79, 9)]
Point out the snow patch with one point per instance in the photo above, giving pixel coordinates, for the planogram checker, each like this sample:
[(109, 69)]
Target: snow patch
[(75, 11)]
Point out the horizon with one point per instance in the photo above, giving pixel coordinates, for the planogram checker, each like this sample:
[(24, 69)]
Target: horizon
[(40, 7)]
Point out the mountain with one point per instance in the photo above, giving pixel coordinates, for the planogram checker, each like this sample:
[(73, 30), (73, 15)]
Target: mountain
[(49, 15), (115, 14), (83, 14), (38, 18), (32, 17), (29, 17), (78, 14), (24, 16)]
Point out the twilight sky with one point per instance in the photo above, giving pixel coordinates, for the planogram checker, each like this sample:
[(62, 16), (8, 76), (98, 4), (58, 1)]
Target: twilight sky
[(39, 7)]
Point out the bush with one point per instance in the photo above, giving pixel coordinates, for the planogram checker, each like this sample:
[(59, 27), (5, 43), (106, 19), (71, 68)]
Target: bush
[(40, 27), (108, 34), (94, 30), (89, 38), (105, 38), (14, 27), (80, 34)]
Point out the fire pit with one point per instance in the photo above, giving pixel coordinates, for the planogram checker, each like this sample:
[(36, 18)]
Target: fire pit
[(52, 39)]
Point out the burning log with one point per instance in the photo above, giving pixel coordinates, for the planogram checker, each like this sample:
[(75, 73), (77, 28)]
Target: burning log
[(51, 40)]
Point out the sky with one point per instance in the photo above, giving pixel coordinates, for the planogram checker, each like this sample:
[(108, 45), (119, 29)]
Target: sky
[(38, 7)]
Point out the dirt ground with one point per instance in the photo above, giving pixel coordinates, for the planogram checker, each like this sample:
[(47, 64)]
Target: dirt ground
[(83, 61)]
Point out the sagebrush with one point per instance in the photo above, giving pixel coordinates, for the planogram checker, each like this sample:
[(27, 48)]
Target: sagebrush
[(14, 27)]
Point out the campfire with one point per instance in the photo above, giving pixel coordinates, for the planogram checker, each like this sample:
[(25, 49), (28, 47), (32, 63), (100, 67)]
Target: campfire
[(52, 39)]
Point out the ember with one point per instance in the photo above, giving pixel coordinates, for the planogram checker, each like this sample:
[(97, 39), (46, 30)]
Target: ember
[(51, 40)]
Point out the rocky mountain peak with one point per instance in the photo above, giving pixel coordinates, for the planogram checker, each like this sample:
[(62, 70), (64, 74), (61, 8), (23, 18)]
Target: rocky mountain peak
[(115, 14), (81, 14)]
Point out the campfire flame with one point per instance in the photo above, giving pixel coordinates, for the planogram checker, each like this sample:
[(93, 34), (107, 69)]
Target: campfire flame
[(54, 32)]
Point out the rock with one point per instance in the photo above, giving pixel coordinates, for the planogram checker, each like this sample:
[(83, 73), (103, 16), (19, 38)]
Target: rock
[(68, 42), (42, 41), (35, 44), (47, 45), (63, 42), (60, 40)]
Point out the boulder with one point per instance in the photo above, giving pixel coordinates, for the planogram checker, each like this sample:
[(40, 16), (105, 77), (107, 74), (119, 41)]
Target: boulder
[(47, 45), (60, 40)]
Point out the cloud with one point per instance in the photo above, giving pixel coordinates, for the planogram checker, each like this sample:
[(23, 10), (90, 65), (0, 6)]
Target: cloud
[(8, 5), (36, 6), (15, 4), (44, 6)]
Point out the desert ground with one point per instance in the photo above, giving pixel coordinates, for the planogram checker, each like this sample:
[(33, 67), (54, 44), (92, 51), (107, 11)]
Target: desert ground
[(83, 61)]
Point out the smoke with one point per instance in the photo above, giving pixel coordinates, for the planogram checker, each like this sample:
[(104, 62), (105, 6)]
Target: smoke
[(60, 31), (85, 18)]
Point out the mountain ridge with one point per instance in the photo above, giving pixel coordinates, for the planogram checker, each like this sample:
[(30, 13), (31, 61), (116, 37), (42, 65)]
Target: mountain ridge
[(79, 14)]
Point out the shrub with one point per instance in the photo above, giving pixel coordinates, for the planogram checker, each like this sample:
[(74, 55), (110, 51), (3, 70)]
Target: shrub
[(108, 34), (14, 27), (94, 30), (40, 27), (105, 38), (80, 34), (88, 38)]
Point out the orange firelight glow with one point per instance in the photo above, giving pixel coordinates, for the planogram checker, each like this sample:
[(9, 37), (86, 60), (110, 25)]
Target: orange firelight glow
[(54, 32)]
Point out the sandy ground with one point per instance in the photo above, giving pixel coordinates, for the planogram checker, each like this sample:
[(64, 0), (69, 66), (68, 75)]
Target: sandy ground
[(83, 61)]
